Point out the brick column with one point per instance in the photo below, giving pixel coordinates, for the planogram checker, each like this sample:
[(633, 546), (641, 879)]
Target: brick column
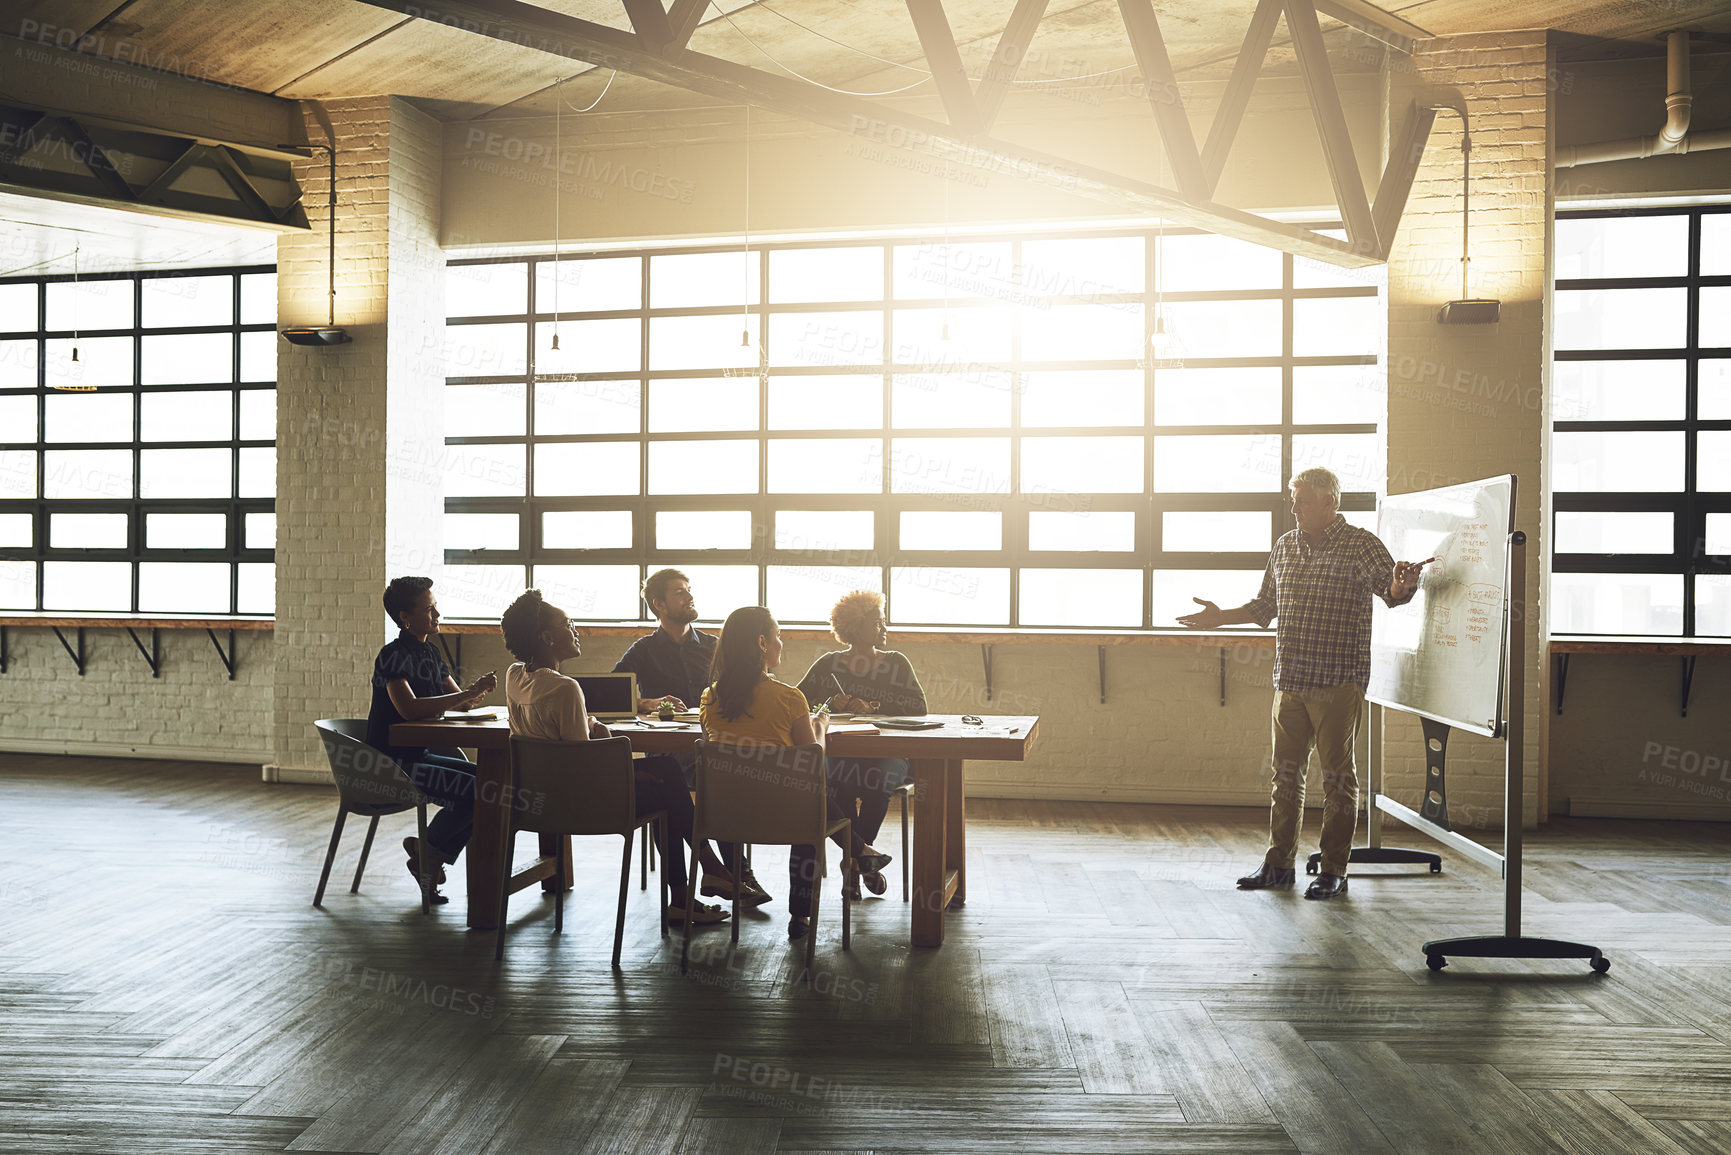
[(359, 426), (1470, 401)]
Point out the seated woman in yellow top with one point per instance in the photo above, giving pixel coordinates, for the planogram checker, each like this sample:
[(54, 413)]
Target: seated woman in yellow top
[(745, 705), (544, 703)]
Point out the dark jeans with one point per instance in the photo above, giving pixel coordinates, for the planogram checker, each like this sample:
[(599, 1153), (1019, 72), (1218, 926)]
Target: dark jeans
[(661, 786), (869, 780), (854, 785), (451, 783), (685, 766)]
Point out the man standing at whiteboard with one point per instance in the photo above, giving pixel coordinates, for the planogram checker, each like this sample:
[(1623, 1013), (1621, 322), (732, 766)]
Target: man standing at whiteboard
[(1318, 584)]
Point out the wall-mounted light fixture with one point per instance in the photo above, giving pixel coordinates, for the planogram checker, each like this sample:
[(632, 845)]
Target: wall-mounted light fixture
[(1467, 310), (327, 334)]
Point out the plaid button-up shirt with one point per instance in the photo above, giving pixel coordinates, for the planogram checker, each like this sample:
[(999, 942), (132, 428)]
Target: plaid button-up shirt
[(1321, 595)]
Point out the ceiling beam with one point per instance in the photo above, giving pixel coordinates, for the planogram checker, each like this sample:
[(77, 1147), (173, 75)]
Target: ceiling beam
[(1405, 152), (252, 202), (1176, 136), (649, 21), (96, 160), (156, 192), (938, 41), (1007, 60), (724, 80), (1313, 67), (684, 17), (1230, 114)]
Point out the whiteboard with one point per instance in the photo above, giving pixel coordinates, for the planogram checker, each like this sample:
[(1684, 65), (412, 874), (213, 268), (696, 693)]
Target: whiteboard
[(1441, 655)]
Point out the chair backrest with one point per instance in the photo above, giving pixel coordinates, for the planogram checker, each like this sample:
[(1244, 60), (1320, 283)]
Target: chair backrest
[(367, 777), (773, 795), (572, 787)]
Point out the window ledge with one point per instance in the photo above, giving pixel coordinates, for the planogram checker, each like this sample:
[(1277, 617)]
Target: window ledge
[(137, 621), (942, 635), (1613, 644)]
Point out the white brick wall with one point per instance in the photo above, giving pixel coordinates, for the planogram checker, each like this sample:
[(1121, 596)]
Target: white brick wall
[(1622, 746), (1469, 401), (346, 413), (192, 711)]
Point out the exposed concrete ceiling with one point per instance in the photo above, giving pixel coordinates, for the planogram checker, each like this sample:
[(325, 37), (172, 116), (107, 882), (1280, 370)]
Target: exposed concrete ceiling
[(324, 49), (331, 49)]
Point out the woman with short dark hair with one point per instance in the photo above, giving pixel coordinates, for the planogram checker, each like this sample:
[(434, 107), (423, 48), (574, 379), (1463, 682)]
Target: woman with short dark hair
[(411, 683), (544, 703)]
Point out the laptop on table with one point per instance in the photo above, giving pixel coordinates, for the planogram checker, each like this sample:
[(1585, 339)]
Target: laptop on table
[(610, 697)]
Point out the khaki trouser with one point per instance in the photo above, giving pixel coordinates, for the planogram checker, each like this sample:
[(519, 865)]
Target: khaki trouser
[(1328, 720)]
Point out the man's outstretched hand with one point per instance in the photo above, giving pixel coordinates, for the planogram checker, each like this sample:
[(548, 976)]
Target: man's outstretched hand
[(1208, 617)]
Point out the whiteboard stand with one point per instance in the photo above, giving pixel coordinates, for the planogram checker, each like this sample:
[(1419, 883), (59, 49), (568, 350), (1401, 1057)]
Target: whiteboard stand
[(1511, 943), (1374, 850)]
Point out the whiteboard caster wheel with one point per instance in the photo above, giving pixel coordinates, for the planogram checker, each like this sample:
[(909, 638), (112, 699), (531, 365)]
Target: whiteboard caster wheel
[(1435, 962), (1601, 965)]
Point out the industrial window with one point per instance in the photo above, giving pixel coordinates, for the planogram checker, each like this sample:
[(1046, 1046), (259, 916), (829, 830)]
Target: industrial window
[(1027, 431), (1641, 442), (138, 442)]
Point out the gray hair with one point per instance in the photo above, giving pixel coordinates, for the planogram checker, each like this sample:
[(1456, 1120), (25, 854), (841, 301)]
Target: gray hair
[(1320, 482)]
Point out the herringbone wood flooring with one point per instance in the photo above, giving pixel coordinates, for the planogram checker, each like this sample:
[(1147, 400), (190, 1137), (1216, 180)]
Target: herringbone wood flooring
[(165, 987)]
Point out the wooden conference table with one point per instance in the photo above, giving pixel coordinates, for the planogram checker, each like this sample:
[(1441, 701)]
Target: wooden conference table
[(939, 872)]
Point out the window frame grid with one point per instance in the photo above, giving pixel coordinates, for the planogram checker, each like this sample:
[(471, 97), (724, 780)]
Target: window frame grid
[(1146, 557), (135, 553), (1688, 506)]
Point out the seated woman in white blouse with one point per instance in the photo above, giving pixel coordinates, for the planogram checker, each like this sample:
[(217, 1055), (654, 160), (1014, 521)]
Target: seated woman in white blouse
[(546, 704)]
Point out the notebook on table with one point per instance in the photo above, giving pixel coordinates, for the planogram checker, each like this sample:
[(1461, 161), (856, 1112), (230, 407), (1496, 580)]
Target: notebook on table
[(902, 723)]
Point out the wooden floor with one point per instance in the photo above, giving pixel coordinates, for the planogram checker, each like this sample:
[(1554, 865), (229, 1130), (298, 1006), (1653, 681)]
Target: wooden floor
[(165, 986)]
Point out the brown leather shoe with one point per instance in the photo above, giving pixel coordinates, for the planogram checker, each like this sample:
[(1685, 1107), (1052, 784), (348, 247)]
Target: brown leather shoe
[(1327, 886), (1267, 876)]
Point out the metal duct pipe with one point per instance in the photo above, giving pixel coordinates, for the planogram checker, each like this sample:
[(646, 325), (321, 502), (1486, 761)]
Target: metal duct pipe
[(1673, 138), (1678, 100)]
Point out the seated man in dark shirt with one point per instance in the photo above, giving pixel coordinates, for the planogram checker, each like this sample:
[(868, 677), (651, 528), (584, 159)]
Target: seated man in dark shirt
[(410, 683), (672, 665)]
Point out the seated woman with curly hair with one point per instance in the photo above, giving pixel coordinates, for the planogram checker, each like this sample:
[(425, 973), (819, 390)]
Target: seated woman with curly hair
[(865, 679), (546, 704)]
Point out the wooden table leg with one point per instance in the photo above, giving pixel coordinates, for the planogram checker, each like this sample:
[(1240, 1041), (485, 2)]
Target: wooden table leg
[(488, 853), (956, 832), (931, 804)]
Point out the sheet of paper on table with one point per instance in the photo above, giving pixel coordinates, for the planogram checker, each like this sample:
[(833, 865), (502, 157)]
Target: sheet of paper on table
[(882, 721), (485, 714)]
